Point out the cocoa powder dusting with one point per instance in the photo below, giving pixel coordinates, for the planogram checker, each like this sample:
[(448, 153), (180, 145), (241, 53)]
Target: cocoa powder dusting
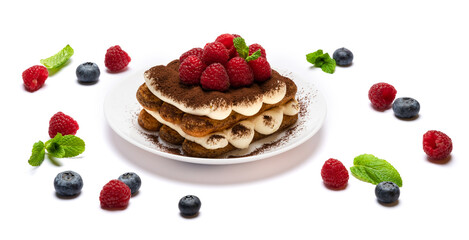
[(240, 130)]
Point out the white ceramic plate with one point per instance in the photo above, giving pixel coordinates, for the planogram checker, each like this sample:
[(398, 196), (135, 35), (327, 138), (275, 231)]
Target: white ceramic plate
[(121, 109)]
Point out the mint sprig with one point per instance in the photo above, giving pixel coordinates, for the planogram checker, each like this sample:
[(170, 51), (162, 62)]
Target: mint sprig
[(369, 168), (243, 50), (322, 60), (57, 60), (58, 147)]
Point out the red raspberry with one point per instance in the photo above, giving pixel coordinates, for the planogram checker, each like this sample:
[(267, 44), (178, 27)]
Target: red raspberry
[(34, 77), (62, 123), (239, 72), (226, 39), (261, 69), (382, 95), (190, 70), (215, 53), (215, 78), (195, 51), (254, 47), (115, 194), (116, 59), (334, 174), (437, 145)]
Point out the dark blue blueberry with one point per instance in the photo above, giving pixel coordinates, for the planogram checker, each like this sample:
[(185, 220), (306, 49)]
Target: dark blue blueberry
[(387, 192), (88, 73), (189, 205), (343, 57), (132, 180), (68, 183), (405, 107)]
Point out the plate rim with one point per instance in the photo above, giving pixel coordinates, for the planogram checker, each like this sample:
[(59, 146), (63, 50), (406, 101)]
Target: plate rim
[(214, 161)]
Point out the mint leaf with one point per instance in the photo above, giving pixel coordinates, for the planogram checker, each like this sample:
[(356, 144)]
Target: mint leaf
[(241, 47), (329, 64), (322, 60), (58, 59), (369, 168), (38, 154), (72, 145), (54, 148), (311, 57), (254, 56)]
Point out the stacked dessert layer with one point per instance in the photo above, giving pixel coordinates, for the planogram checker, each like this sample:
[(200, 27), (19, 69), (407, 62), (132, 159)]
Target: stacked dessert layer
[(212, 123)]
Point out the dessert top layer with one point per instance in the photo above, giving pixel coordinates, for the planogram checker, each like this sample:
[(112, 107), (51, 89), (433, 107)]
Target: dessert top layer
[(163, 82)]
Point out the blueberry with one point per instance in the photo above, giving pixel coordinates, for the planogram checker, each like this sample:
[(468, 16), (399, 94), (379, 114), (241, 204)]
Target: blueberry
[(189, 205), (88, 72), (387, 192), (343, 56), (132, 180), (68, 183), (405, 107)]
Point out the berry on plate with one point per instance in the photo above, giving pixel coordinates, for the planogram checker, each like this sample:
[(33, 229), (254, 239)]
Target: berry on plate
[(215, 52), (405, 107), (115, 194), (387, 192), (190, 70), (194, 51), (116, 59), (261, 69), (334, 174), (189, 205), (34, 77), (254, 47), (226, 39), (215, 78), (343, 56), (239, 72), (68, 183), (88, 72), (382, 95), (437, 145), (62, 123), (132, 180)]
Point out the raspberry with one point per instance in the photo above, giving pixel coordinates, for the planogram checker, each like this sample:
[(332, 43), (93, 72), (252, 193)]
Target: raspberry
[(261, 69), (239, 72), (62, 123), (215, 53), (195, 51), (437, 145), (116, 59), (34, 77), (226, 39), (254, 47), (334, 174), (215, 78), (190, 70), (382, 95), (115, 194)]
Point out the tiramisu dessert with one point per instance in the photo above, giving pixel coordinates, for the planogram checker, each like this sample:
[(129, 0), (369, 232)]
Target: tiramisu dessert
[(217, 99)]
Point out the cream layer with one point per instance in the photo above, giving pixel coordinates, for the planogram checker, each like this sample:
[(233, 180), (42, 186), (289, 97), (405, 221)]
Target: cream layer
[(265, 123)]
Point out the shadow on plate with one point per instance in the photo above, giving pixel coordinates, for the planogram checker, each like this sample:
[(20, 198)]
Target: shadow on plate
[(216, 174)]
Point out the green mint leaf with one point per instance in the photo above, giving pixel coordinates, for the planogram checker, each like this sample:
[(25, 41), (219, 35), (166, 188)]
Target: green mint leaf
[(311, 57), (38, 154), (322, 60), (329, 64), (54, 147), (254, 56), (58, 59), (241, 47), (369, 168), (72, 145)]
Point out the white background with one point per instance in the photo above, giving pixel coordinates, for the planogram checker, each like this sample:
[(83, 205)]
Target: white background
[(420, 47)]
